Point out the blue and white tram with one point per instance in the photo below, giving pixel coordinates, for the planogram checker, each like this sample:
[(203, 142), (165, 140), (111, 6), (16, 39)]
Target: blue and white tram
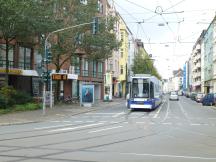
[(145, 92)]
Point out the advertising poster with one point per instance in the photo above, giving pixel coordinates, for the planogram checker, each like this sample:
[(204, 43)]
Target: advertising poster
[(87, 93)]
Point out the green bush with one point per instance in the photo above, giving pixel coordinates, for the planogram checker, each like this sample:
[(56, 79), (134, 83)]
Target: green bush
[(25, 107), (21, 97), (3, 103), (7, 92)]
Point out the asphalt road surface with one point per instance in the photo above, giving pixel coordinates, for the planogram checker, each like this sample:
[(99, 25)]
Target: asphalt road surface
[(178, 131)]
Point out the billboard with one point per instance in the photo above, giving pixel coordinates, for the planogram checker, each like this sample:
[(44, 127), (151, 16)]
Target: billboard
[(87, 94)]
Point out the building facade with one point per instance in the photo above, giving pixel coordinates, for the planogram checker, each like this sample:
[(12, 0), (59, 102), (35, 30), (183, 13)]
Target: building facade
[(208, 59), (196, 65), (22, 67)]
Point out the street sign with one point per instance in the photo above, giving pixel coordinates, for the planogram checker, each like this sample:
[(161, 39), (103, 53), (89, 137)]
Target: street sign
[(59, 77)]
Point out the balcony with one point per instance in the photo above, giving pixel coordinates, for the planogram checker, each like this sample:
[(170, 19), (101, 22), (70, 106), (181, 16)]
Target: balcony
[(93, 74)]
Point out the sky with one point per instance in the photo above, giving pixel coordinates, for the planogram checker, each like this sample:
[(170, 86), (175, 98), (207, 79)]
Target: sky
[(168, 28)]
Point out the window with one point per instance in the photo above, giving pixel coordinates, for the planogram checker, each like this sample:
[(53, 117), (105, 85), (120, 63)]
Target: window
[(24, 58), (100, 70), (122, 36), (94, 68), (122, 53), (122, 69), (3, 55), (76, 63), (85, 67)]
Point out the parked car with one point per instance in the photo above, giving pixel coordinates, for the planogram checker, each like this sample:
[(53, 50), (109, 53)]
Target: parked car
[(180, 93), (187, 94), (193, 96), (174, 96), (199, 97), (209, 99)]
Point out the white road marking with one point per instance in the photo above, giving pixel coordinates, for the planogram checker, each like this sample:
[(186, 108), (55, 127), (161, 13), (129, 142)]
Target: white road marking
[(105, 129), (114, 122), (194, 124), (74, 128), (158, 111), (78, 121), (167, 123), (118, 114), (184, 112), (55, 126), (171, 156), (167, 112), (100, 113)]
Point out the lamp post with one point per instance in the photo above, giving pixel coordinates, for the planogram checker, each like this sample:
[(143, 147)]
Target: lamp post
[(94, 22)]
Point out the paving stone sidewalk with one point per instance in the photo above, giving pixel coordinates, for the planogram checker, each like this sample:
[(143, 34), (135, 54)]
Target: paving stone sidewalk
[(58, 112)]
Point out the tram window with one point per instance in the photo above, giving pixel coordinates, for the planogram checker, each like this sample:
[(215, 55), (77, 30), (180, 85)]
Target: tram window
[(151, 90)]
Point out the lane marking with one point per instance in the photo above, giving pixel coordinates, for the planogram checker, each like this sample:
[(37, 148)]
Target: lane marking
[(184, 112), (167, 112), (99, 113), (195, 124), (55, 126), (171, 156), (118, 114), (74, 128), (105, 129), (167, 123), (158, 111), (89, 121)]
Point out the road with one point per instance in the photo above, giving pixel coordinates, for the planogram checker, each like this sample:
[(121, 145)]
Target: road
[(178, 131)]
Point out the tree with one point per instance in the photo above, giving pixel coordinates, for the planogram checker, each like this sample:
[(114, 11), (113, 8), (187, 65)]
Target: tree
[(70, 42), (22, 21), (143, 64)]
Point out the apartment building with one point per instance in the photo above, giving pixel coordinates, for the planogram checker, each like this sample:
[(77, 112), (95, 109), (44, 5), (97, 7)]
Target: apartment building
[(196, 65)]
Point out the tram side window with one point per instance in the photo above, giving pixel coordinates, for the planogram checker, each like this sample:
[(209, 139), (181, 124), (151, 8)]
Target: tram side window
[(151, 90)]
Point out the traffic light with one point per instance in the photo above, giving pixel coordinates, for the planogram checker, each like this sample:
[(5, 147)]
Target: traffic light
[(48, 56), (46, 76), (95, 25)]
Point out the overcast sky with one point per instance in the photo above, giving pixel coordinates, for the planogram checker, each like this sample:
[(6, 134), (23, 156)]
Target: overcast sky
[(170, 36)]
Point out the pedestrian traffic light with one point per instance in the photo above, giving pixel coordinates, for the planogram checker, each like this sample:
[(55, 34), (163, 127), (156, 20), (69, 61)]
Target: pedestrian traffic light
[(95, 25)]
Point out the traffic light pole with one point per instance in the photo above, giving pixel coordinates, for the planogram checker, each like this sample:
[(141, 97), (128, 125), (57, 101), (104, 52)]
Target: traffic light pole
[(45, 54)]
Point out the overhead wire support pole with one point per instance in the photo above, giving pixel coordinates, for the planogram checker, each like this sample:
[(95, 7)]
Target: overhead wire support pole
[(45, 60)]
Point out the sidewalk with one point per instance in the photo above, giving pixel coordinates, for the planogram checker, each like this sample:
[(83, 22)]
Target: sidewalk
[(56, 113)]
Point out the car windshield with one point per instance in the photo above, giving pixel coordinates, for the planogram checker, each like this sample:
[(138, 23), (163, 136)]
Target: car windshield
[(173, 93)]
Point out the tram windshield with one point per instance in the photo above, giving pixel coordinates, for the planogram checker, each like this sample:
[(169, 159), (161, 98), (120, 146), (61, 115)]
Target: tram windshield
[(140, 88)]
